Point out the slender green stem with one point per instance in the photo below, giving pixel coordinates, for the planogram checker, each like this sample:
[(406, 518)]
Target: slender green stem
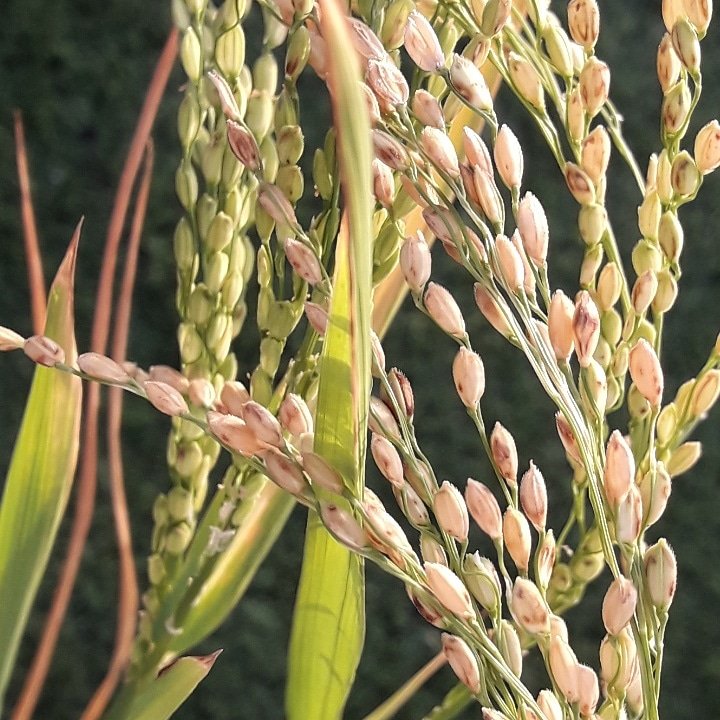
[(640, 624), (477, 418), (612, 117), (452, 704), (612, 251)]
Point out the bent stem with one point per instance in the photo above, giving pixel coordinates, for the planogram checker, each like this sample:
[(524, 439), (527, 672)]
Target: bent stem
[(33, 256), (128, 594), (403, 694)]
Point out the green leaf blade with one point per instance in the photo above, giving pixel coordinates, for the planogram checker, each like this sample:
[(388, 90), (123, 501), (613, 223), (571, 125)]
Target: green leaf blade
[(41, 472), (329, 621), (328, 628), (169, 690), (232, 575)]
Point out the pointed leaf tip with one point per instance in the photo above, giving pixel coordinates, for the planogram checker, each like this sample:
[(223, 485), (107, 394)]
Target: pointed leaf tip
[(60, 323), (209, 660), (206, 662), (66, 272)]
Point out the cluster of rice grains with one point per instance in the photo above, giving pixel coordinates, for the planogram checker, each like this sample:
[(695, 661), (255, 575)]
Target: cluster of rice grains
[(612, 328), (242, 142)]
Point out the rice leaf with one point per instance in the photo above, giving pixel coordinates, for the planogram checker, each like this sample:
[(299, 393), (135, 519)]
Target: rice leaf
[(329, 621), (169, 690), (232, 575), (392, 706), (41, 472)]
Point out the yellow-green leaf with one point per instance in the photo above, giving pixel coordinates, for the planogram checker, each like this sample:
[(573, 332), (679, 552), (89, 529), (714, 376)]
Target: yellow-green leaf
[(169, 690), (230, 578), (329, 621), (41, 472)]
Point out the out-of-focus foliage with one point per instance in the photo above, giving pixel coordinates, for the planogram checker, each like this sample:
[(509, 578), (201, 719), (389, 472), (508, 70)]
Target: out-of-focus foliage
[(78, 71)]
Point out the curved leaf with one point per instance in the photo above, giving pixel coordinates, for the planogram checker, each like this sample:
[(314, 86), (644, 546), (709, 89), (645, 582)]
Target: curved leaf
[(170, 689), (41, 472)]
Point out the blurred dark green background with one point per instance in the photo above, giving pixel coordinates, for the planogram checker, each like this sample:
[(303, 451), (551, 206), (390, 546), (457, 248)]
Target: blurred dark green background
[(78, 70)]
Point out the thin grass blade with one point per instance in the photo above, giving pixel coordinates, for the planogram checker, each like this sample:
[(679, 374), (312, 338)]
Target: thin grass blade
[(329, 622), (454, 702), (41, 472)]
